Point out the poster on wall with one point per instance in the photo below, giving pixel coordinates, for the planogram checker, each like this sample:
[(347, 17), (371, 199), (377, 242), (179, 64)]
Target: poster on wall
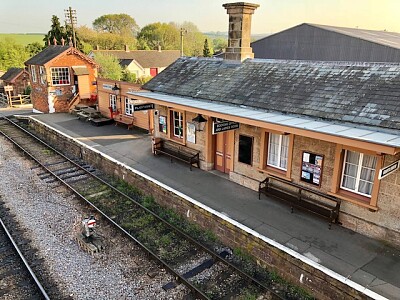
[(311, 168), (191, 133), (162, 124)]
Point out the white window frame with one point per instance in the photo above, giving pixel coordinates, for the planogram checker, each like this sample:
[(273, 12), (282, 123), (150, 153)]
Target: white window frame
[(358, 175), (279, 160), (42, 74), (177, 121), (128, 107), (33, 73), (113, 102), (60, 74)]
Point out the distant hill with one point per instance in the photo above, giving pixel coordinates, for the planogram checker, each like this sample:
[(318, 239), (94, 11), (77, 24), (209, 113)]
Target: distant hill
[(224, 35), (23, 38)]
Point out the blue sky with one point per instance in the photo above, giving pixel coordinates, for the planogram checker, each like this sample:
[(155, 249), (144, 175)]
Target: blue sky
[(26, 16)]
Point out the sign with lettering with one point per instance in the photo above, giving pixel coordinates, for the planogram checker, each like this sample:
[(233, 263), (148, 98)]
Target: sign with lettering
[(107, 86), (389, 169), (145, 106), (8, 88), (224, 126)]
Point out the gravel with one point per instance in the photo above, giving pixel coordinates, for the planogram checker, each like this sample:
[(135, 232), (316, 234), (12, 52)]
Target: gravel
[(51, 219)]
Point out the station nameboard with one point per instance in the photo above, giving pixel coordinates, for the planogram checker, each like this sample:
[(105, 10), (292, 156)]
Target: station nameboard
[(145, 106), (224, 126), (389, 169)]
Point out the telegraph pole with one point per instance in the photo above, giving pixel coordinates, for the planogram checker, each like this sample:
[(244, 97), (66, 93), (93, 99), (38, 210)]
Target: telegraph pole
[(70, 18), (183, 32)]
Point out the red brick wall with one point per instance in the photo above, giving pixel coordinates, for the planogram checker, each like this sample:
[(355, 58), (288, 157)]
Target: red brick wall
[(62, 94)]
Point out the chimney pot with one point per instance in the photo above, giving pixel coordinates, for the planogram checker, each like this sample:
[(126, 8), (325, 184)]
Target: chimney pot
[(62, 41), (54, 41), (159, 48), (239, 35), (126, 48)]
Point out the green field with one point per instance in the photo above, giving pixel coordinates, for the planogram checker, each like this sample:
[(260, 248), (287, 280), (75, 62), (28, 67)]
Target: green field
[(23, 39)]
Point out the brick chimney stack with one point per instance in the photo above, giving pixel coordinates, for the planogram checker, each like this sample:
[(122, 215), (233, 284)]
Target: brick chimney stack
[(239, 30)]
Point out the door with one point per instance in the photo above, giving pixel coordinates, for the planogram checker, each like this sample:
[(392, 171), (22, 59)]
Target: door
[(223, 151), (84, 86)]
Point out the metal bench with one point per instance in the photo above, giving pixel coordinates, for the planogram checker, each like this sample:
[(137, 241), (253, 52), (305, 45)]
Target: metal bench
[(301, 197), (177, 151)]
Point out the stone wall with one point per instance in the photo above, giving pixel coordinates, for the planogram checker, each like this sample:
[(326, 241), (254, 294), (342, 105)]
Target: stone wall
[(292, 268), (381, 224)]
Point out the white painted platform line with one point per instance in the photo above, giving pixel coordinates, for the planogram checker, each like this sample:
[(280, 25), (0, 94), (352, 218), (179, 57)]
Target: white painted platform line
[(273, 243)]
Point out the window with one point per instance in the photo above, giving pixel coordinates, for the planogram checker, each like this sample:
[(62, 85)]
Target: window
[(177, 121), (278, 148), (60, 76), (245, 149), (33, 73), (358, 173), (113, 102), (42, 74), (128, 107)]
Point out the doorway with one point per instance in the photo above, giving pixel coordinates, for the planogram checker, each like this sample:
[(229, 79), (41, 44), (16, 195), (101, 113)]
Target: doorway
[(223, 151)]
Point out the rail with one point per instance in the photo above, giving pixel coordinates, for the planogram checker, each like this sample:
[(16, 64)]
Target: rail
[(178, 276)]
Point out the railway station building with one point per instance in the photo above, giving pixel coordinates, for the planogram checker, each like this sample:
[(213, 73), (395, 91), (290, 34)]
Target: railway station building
[(331, 127)]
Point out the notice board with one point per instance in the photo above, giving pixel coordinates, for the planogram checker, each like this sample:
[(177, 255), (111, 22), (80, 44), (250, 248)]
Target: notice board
[(311, 168)]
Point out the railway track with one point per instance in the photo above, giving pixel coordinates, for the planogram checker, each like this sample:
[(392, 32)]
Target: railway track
[(17, 279), (207, 270)]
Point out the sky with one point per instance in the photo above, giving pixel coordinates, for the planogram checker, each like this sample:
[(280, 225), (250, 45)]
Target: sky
[(33, 16)]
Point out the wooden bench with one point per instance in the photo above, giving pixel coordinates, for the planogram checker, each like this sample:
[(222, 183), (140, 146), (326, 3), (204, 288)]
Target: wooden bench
[(301, 197), (124, 120), (177, 151)]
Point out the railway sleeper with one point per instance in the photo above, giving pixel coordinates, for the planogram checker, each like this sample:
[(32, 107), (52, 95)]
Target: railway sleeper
[(208, 263)]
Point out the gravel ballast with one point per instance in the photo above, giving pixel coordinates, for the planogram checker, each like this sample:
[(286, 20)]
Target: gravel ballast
[(51, 220)]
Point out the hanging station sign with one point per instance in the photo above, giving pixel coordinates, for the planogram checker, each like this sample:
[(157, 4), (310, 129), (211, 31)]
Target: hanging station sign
[(389, 169), (145, 106), (224, 126)]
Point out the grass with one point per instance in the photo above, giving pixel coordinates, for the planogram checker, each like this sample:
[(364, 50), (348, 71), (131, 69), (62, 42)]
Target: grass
[(23, 38)]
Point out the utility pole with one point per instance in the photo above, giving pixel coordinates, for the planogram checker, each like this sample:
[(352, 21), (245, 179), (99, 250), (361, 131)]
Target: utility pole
[(70, 18), (183, 32)]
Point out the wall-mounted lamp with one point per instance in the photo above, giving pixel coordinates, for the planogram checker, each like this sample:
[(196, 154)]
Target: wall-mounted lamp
[(116, 89), (199, 122)]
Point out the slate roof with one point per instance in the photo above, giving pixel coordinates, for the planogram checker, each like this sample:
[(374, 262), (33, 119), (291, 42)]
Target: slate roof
[(146, 58), (46, 55), (358, 93), (11, 74)]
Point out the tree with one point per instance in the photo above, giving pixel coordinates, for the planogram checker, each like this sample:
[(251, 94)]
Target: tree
[(193, 40), (105, 40), (109, 66), (219, 44), (56, 32), (60, 33), (33, 48), (12, 54), (159, 34), (206, 49), (122, 24), (128, 76)]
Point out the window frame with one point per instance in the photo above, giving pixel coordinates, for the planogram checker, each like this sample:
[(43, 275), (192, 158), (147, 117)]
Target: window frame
[(33, 73), (42, 74), (128, 107), (251, 149), (113, 102), (57, 76), (281, 136), (171, 130), (358, 175)]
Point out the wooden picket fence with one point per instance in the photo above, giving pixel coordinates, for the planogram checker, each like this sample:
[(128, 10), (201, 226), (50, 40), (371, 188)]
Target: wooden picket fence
[(14, 101)]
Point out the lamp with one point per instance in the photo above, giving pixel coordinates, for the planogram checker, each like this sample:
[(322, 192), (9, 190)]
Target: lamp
[(116, 89), (199, 122)]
